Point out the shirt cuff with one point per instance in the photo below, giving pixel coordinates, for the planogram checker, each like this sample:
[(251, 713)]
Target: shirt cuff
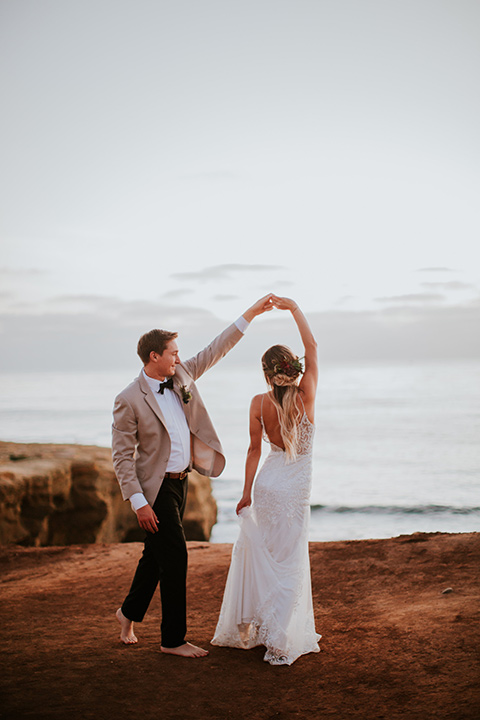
[(242, 324), (138, 501)]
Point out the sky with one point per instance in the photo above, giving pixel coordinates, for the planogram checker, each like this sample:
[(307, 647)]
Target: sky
[(164, 164)]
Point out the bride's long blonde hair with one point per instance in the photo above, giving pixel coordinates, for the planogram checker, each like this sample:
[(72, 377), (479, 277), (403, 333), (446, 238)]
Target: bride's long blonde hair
[(282, 369)]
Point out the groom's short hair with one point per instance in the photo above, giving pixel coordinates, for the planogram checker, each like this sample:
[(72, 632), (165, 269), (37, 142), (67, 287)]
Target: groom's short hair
[(154, 341)]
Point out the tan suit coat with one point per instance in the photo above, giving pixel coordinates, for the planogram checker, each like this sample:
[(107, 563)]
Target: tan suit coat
[(140, 441)]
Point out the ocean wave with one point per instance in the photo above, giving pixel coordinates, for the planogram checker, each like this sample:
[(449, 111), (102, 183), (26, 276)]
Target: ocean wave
[(395, 510)]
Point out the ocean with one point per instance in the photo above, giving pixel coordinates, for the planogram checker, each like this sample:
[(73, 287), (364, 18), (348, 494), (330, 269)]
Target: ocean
[(397, 448)]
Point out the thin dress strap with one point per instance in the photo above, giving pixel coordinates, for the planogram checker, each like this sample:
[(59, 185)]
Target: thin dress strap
[(301, 400), (264, 432)]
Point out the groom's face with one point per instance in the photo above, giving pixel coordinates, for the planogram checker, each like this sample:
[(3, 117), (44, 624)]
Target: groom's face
[(168, 360)]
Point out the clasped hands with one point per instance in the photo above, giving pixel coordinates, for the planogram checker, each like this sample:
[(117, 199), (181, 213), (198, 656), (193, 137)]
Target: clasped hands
[(267, 303)]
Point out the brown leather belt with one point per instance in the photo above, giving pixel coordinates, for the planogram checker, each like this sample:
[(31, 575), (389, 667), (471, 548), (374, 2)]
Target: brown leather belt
[(176, 476)]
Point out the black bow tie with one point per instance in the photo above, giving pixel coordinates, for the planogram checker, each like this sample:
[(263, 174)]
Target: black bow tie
[(168, 384)]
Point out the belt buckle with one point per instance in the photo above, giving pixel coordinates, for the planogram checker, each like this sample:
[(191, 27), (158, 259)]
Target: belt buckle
[(183, 474)]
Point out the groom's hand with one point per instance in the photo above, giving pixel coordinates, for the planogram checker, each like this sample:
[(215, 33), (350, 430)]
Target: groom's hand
[(263, 305), (147, 519)]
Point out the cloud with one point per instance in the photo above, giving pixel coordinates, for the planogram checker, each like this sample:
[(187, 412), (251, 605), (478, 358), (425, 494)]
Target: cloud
[(124, 311), (104, 335), (412, 298), (225, 298), (397, 335), (98, 337), (452, 285), (22, 272), (223, 272), (90, 301), (177, 293), (436, 269)]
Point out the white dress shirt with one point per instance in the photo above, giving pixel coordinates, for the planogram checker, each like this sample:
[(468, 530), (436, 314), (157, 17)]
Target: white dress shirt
[(177, 426)]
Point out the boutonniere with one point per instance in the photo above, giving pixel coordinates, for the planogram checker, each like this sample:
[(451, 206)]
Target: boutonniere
[(186, 394)]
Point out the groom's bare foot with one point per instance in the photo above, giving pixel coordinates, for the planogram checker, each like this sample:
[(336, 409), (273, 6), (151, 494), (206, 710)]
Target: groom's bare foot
[(185, 650), (126, 633)]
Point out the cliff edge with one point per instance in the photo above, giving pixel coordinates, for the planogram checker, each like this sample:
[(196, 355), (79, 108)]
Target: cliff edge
[(68, 494)]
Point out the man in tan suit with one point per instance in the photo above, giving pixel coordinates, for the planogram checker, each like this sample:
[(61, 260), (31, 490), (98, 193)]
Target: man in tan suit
[(161, 429)]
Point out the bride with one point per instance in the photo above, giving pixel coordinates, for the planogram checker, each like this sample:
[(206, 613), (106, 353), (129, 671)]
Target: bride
[(268, 595)]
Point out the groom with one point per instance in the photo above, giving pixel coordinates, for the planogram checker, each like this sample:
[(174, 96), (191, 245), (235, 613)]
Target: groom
[(161, 429)]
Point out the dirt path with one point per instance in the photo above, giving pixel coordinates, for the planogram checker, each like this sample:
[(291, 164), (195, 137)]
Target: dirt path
[(393, 645)]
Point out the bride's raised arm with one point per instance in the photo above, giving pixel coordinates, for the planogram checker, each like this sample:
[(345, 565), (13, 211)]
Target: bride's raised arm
[(309, 380)]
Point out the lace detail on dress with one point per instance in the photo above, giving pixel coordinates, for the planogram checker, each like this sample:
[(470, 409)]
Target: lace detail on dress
[(306, 432)]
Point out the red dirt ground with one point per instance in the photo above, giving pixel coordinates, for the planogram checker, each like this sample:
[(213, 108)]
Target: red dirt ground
[(394, 647)]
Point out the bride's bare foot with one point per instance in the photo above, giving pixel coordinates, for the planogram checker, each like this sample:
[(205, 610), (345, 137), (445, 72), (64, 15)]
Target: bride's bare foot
[(185, 650), (126, 633)]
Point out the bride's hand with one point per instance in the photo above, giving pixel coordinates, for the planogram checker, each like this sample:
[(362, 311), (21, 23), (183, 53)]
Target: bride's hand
[(283, 303), (246, 501)]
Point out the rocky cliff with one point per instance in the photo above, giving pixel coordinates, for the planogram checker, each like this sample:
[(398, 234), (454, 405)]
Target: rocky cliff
[(68, 494)]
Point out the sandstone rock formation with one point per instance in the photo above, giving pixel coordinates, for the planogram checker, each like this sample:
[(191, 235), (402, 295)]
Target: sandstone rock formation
[(68, 494)]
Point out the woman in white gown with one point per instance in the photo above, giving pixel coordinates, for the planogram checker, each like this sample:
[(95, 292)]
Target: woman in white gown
[(268, 595)]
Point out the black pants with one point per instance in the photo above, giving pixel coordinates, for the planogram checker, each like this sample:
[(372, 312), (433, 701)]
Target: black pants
[(164, 561)]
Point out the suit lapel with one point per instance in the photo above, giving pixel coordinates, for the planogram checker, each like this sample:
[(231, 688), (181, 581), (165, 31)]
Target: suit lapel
[(150, 400), (177, 388)]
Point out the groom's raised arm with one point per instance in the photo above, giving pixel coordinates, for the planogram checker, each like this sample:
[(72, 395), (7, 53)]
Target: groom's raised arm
[(224, 342)]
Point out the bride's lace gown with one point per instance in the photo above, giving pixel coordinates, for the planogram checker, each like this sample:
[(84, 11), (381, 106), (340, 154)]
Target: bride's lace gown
[(268, 595)]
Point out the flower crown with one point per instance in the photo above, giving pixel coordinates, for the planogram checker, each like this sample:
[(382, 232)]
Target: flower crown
[(290, 368)]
